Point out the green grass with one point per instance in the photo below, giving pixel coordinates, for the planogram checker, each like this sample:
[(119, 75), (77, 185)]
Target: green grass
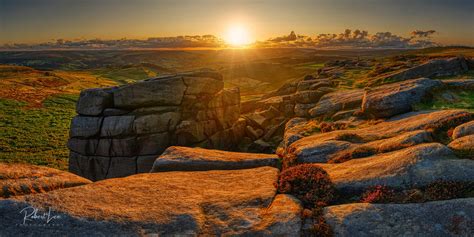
[(464, 100), (126, 75), (36, 136)]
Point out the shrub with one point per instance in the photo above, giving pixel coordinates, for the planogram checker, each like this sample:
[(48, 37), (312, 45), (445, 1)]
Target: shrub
[(307, 182), (378, 194)]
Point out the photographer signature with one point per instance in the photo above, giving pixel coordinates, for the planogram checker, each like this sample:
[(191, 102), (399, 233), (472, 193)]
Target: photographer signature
[(33, 214)]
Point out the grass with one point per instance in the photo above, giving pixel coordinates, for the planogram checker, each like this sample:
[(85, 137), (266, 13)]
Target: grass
[(124, 75), (36, 135), (464, 100)]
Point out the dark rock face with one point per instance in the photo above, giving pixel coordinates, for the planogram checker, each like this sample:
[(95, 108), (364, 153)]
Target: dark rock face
[(396, 98), (119, 129)]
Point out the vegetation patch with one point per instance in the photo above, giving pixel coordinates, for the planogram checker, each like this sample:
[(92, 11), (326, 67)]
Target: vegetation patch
[(312, 185), (438, 190), (36, 135)]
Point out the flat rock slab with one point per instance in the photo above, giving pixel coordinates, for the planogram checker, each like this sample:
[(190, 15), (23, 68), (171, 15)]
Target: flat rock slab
[(210, 203), (394, 133), (440, 218), (396, 98), (22, 179), (412, 167), (177, 158)]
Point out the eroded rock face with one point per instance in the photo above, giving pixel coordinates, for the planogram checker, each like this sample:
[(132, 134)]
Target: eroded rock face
[(22, 179), (411, 167), (194, 159), (463, 146), (440, 218), (397, 98), (119, 129), (463, 130), (436, 67), (395, 134), (334, 102), (212, 203)]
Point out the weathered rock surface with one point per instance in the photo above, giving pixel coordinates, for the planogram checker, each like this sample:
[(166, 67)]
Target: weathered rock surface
[(440, 218), (396, 98), (238, 202), (93, 101), (397, 133), (433, 68), (334, 102), (194, 159), (463, 84), (463, 146), (22, 179), (412, 167), (463, 130), (130, 123)]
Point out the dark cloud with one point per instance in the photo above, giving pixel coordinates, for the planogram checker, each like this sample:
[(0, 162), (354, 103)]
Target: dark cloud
[(422, 34), (187, 41), (352, 39)]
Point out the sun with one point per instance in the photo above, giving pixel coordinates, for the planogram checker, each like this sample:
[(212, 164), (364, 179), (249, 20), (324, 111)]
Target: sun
[(237, 36)]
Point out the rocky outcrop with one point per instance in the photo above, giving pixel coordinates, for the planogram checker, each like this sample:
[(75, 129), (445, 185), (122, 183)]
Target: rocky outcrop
[(463, 146), (195, 159), (334, 102), (119, 131), (215, 203), (397, 98), (22, 179), (399, 132), (463, 130), (440, 218), (411, 167), (433, 68)]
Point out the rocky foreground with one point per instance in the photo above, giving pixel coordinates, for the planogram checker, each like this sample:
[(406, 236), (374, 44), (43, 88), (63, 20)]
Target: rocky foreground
[(357, 162)]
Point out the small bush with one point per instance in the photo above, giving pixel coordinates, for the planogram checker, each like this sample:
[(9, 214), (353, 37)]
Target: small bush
[(378, 194), (307, 182)]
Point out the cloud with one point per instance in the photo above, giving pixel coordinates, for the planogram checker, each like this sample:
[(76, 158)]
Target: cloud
[(347, 39), (352, 39), (187, 41), (422, 34)]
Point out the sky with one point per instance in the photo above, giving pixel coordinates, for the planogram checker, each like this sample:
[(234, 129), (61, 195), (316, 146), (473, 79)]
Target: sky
[(33, 21)]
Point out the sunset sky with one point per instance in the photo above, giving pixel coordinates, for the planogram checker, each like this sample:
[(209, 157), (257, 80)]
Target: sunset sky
[(31, 21)]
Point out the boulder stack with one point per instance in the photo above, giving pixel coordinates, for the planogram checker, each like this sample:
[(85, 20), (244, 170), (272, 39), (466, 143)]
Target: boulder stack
[(120, 131)]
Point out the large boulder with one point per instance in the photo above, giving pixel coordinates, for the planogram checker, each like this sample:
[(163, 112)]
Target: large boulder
[(336, 101), (433, 68), (142, 119), (93, 102), (237, 202), (193, 159), (440, 218), (392, 99), (463, 146), (412, 167), (167, 90), (463, 130), (22, 179)]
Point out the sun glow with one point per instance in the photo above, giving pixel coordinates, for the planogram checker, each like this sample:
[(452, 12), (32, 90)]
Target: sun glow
[(237, 36)]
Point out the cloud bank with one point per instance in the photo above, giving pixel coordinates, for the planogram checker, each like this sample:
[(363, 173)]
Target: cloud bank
[(347, 39), (353, 39)]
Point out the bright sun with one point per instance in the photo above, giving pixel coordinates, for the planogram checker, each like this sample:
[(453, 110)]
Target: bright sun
[(237, 35)]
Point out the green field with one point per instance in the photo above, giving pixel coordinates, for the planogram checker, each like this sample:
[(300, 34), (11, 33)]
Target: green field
[(37, 135)]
